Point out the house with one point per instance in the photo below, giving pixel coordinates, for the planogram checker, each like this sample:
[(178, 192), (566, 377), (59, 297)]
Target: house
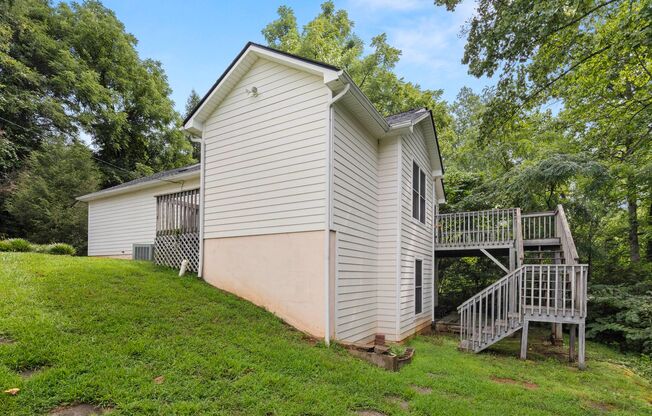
[(310, 203)]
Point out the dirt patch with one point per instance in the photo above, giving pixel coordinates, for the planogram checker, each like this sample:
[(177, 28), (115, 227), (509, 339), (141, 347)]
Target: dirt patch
[(79, 410), (526, 384), (369, 413), (603, 407), (400, 402), (28, 372), (4, 340), (421, 390)]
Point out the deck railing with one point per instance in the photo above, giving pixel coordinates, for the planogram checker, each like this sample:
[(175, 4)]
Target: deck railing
[(553, 293), (495, 227), (539, 225)]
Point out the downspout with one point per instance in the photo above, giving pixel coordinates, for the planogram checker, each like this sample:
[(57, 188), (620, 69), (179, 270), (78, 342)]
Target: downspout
[(202, 154), (329, 208)]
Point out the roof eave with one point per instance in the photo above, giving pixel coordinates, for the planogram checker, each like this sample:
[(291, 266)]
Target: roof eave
[(137, 186)]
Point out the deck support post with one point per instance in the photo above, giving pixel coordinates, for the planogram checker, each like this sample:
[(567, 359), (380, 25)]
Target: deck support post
[(571, 343), (557, 334), (581, 346), (524, 331), (512, 259)]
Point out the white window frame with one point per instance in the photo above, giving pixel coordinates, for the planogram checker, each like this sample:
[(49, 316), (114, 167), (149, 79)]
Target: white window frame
[(418, 287), (421, 194)]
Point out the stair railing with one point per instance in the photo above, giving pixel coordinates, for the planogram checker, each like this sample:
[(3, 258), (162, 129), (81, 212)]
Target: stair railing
[(551, 293), (491, 312), (565, 236)]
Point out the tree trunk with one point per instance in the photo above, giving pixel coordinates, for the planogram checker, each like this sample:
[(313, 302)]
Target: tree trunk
[(632, 208)]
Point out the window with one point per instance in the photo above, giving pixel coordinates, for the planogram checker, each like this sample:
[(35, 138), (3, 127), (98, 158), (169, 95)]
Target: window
[(418, 193), (418, 286)]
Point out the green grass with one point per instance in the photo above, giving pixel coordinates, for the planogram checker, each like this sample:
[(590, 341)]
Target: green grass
[(100, 331)]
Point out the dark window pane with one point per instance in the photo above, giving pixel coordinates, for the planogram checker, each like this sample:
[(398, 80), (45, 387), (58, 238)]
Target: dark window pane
[(415, 204), (415, 177), (422, 210), (418, 290), (423, 184)]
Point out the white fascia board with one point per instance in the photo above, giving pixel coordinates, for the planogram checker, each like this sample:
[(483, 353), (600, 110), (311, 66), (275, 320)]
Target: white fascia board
[(364, 101), (194, 127), (138, 186), (327, 74)]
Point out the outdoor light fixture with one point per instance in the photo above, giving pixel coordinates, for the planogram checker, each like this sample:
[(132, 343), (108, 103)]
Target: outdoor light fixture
[(253, 91)]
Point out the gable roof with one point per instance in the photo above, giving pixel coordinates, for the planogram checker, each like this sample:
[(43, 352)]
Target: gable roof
[(238, 58), (171, 176)]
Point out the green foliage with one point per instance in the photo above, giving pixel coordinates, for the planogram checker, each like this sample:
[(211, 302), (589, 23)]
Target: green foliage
[(22, 245), (61, 249), (622, 314), (71, 68), (16, 245), (43, 205), (329, 38)]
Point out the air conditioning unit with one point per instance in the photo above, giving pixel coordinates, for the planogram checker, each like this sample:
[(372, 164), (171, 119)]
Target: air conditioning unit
[(143, 252)]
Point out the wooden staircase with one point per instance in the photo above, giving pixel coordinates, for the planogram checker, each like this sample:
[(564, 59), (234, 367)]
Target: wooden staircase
[(544, 283)]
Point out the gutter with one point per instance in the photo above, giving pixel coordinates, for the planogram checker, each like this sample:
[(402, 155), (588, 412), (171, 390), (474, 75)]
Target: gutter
[(202, 176), (329, 211)]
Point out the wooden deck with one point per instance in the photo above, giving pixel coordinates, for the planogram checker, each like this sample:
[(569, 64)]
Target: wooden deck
[(553, 290)]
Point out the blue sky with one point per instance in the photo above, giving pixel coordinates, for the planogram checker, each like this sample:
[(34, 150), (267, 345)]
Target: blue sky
[(196, 39)]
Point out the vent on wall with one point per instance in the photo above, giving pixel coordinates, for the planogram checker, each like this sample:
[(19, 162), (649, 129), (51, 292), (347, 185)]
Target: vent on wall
[(143, 252)]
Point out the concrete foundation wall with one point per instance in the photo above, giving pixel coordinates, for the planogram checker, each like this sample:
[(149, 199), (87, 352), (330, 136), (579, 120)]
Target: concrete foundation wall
[(284, 273)]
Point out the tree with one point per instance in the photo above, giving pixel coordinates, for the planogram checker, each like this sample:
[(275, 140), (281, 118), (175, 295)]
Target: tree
[(594, 59), (329, 38), (43, 206), (72, 69), (191, 103)]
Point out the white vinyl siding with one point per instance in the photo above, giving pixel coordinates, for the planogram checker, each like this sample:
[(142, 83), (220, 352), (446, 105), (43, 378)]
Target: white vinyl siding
[(265, 164), (388, 235), (416, 237), (115, 223), (355, 213)]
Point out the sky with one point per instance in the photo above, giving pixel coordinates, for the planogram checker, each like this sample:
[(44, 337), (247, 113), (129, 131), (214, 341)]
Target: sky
[(195, 40)]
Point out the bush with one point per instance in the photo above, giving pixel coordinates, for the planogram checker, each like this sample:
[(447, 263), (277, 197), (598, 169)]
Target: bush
[(622, 315), (15, 244), (22, 245), (61, 249)]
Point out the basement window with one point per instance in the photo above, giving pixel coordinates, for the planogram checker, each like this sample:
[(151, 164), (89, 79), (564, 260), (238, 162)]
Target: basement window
[(418, 193), (418, 286)]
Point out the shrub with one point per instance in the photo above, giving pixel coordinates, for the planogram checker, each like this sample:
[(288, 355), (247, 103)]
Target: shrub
[(22, 245), (40, 248), (61, 249), (5, 245), (15, 244), (622, 315)]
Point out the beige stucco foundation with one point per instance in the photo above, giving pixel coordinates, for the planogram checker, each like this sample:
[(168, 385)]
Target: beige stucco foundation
[(284, 273)]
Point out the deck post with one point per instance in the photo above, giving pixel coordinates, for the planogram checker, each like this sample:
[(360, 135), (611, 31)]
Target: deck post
[(557, 335), (571, 342), (512, 259), (581, 346), (524, 331)]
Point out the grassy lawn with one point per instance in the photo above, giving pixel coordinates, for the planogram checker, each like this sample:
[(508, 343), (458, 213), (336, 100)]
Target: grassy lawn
[(137, 339)]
